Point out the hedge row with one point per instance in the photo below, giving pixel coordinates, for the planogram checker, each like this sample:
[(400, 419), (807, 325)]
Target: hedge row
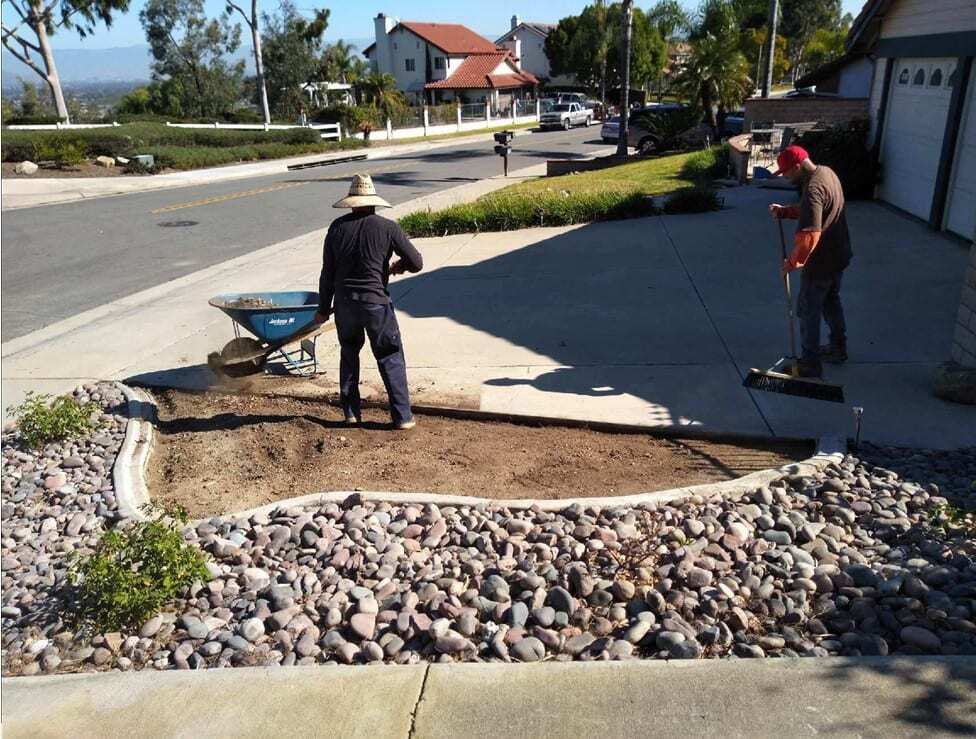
[(138, 138), (511, 212)]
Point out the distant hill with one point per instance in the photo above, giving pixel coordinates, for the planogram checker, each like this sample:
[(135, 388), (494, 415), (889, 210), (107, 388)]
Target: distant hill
[(119, 64)]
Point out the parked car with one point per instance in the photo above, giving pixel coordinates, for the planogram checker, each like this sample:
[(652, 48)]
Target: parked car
[(638, 137), (566, 115), (610, 130)]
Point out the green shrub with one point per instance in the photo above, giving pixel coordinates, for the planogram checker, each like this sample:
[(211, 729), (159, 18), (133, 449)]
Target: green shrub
[(136, 138), (18, 151), (844, 149), (42, 421), (692, 200), (32, 120), (511, 212), (62, 150), (707, 164), (135, 572)]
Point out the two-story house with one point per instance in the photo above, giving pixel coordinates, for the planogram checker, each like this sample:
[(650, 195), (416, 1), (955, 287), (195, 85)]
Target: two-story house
[(438, 62), (527, 42)]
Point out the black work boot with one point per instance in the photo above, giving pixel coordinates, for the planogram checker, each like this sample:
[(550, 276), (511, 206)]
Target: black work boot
[(833, 353), (811, 368)]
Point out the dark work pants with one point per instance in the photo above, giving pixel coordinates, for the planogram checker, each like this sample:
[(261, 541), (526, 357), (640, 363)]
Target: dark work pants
[(354, 322), (820, 296)]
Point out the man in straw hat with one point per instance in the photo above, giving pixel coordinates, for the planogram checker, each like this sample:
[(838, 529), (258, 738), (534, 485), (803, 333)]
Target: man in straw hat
[(356, 270)]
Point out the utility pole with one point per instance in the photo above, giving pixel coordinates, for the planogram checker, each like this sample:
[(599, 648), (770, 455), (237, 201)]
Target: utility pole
[(770, 47), (628, 22)]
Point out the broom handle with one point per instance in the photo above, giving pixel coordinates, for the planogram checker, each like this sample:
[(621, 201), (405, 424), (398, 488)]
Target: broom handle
[(789, 296)]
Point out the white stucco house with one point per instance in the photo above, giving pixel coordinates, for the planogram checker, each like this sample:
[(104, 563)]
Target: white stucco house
[(922, 105), (527, 42), (439, 62)]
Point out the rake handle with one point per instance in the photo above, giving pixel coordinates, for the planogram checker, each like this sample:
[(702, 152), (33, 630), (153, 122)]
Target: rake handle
[(789, 294)]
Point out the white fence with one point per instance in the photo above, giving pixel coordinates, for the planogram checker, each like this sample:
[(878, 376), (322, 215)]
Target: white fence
[(59, 126), (472, 117), (327, 130)]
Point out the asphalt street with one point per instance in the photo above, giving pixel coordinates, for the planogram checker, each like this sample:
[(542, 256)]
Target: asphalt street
[(59, 260)]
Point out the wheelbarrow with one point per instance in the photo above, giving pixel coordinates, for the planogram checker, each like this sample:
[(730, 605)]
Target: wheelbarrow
[(276, 320)]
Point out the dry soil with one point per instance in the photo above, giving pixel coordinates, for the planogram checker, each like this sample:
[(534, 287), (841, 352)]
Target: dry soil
[(218, 453)]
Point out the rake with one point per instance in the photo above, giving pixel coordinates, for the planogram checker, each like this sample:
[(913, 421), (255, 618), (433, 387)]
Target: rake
[(783, 376)]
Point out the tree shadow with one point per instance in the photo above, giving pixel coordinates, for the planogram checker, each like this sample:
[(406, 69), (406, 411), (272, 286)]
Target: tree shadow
[(609, 305), (943, 691)]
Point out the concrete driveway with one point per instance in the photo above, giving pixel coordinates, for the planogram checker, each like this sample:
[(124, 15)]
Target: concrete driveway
[(652, 321), (656, 321)]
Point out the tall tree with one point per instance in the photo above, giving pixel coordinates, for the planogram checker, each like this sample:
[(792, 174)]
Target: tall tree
[(190, 51), (671, 22), (802, 19), (626, 28), (670, 19), (293, 55), (252, 21), (770, 47), (716, 74), (28, 34), (826, 45), (590, 47)]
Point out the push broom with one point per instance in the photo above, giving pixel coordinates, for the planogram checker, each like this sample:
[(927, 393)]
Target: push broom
[(783, 377)]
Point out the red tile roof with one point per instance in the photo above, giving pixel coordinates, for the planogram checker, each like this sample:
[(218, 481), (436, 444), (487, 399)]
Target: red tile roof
[(475, 72), (451, 38)]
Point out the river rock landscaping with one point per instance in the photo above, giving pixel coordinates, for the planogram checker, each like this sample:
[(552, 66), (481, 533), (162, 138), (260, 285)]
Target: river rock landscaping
[(854, 560)]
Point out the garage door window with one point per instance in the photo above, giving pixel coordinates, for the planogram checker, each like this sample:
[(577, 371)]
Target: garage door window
[(919, 78), (904, 76), (953, 77), (936, 79)]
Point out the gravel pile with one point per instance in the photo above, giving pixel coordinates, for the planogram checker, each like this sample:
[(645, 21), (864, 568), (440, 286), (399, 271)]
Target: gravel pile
[(56, 502), (847, 562)]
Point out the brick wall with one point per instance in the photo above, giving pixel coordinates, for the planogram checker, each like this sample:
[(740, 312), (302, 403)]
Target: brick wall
[(804, 109), (964, 339)]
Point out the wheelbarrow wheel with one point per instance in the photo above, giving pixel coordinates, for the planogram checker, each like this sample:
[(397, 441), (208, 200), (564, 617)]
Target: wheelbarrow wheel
[(240, 357)]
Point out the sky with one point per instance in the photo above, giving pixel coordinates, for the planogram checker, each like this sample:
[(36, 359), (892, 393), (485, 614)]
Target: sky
[(353, 19)]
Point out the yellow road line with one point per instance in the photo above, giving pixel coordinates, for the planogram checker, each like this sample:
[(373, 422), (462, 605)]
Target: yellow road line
[(229, 196)]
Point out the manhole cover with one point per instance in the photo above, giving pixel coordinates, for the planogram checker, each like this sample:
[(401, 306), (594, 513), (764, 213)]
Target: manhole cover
[(177, 224)]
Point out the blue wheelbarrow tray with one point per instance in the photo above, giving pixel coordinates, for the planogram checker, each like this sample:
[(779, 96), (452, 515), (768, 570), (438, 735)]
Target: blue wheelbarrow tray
[(274, 318)]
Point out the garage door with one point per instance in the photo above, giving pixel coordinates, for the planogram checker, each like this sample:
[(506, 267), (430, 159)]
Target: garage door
[(961, 213), (912, 137)]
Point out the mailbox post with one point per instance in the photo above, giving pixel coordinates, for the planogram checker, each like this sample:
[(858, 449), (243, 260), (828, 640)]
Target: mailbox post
[(503, 145)]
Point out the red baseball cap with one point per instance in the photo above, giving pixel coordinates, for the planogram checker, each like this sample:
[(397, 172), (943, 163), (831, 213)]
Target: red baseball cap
[(790, 157)]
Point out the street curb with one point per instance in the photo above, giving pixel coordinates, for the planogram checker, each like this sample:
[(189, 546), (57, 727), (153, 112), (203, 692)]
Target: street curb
[(132, 494), (196, 177)]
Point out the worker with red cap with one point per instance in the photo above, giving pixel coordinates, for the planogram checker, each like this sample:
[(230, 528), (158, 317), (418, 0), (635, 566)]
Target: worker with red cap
[(822, 249)]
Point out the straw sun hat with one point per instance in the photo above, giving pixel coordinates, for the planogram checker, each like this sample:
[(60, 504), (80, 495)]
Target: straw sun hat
[(362, 193)]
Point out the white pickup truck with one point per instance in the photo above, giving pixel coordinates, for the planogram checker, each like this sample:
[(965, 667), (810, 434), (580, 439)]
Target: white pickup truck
[(566, 115)]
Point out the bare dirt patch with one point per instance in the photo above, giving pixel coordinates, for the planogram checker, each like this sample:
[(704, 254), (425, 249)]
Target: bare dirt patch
[(218, 453)]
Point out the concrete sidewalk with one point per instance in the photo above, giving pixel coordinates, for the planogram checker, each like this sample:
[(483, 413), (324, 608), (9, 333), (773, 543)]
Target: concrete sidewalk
[(28, 193), (873, 697), (651, 321)]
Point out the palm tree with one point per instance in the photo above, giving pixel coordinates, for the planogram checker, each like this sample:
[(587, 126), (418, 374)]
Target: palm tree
[(716, 73), (339, 61), (380, 90)]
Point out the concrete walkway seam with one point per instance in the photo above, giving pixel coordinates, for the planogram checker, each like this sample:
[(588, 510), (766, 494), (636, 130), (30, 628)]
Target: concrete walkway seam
[(132, 492)]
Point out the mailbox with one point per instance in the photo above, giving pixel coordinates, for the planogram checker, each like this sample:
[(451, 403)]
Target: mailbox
[(503, 146)]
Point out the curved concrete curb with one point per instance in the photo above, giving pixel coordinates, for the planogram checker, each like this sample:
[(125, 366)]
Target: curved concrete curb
[(132, 493), (129, 470)]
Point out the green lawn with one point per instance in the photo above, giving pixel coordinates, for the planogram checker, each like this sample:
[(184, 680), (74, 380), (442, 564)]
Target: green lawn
[(608, 194), (652, 176)]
